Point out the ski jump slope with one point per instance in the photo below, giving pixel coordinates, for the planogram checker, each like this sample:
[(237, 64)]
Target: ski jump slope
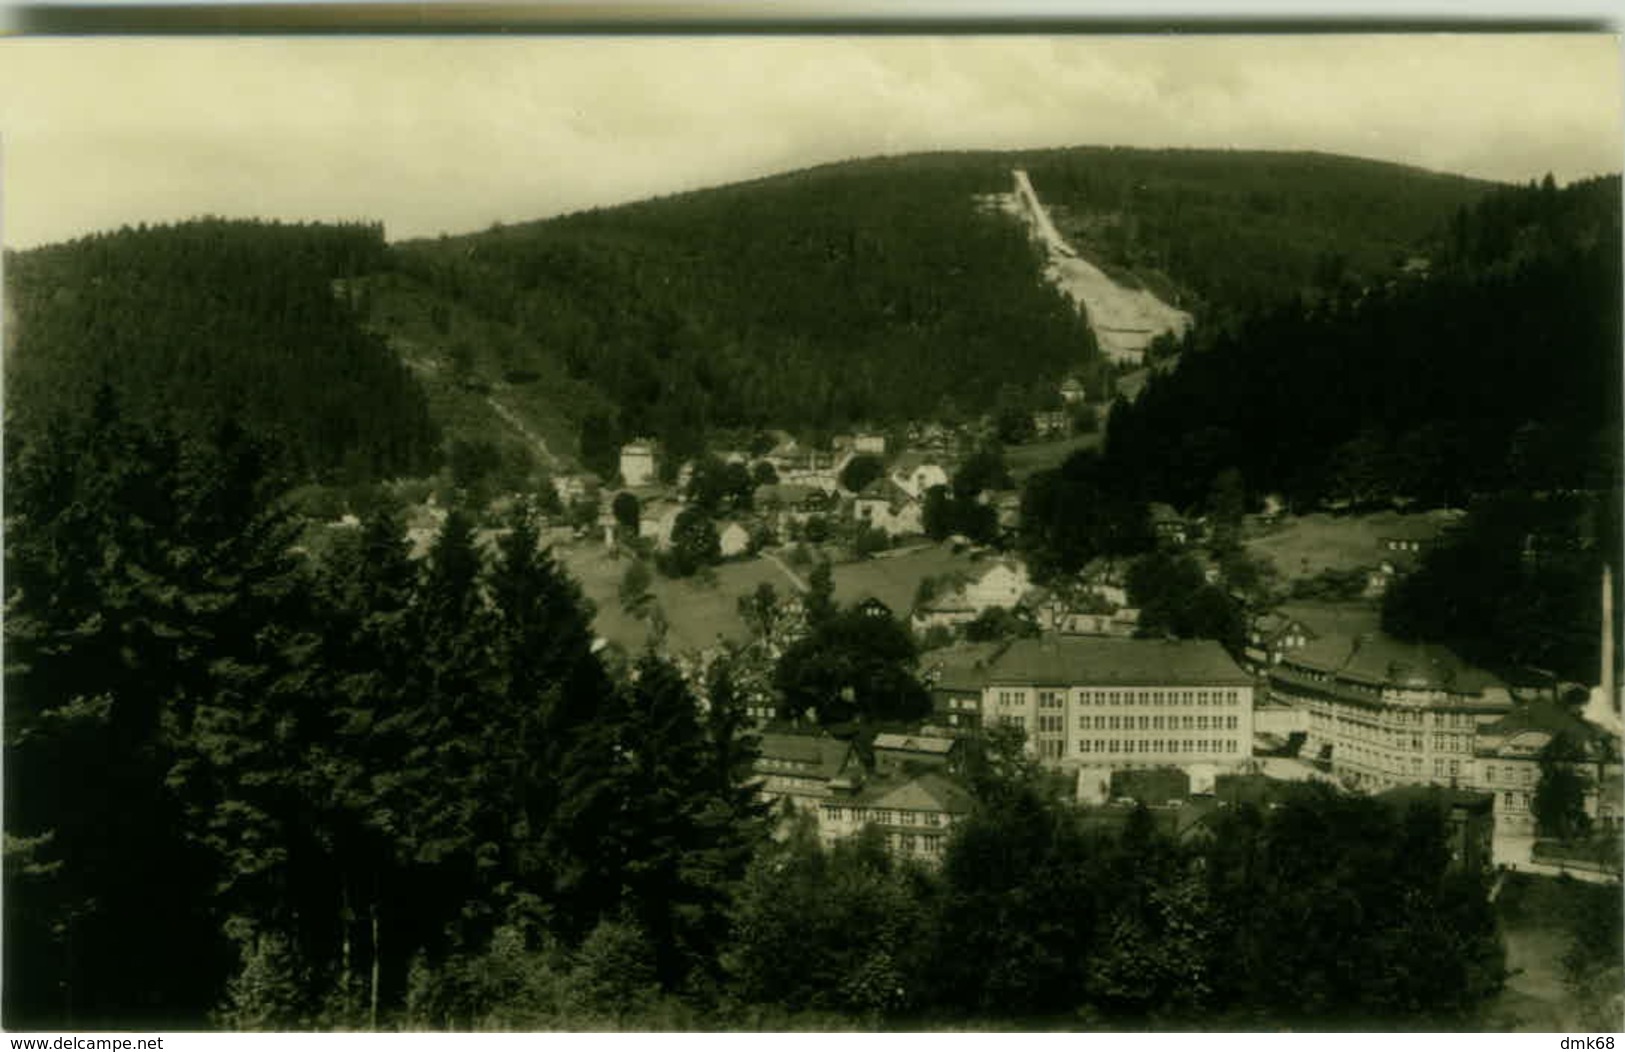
[(1124, 320)]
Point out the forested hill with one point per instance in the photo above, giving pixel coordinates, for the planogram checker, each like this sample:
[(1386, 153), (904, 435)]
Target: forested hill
[(809, 301), (861, 292), (192, 323), (1498, 367), (884, 289)]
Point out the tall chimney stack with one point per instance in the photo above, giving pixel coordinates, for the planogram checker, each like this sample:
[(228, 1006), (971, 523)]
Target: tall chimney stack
[(1610, 691)]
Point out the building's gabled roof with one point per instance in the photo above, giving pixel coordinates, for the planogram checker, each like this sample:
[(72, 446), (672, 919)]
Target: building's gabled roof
[(1383, 660), (962, 680), (1088, 660), (1332, 630), (885, 489), (961, 667), (1012, 567), (934, 746), (909, 459), (923, 792), (1547, 717), (818, 756)]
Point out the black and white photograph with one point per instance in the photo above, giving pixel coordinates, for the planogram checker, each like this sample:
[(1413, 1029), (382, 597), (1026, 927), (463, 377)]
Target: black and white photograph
[(833, 532)]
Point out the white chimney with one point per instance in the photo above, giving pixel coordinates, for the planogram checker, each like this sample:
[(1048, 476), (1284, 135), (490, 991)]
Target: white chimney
[(1602, 708), (1610, 690)]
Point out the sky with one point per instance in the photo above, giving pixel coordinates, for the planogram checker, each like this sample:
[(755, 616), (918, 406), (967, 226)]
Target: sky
[(434, 135)]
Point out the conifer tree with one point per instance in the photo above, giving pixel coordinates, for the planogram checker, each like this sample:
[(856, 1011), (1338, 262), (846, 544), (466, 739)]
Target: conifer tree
[(684, 844)]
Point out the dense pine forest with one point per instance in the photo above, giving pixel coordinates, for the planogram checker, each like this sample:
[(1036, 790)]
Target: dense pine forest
[(212, 320), (1497, 367)]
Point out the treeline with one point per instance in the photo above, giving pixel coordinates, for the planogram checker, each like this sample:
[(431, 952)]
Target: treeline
[(214, 319), (1330, 910), (1490, 373)]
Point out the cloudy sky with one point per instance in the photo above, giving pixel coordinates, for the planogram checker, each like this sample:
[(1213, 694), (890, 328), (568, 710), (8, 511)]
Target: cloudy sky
[(434, 135)]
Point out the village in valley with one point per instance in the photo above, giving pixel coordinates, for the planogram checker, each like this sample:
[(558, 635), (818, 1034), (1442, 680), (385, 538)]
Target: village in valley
[(1183, 727), (917, 582)]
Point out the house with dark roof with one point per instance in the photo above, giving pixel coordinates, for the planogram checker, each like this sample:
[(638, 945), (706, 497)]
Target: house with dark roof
[(917, 752), (804, 769), (1272, 634), (1168, 526), (955, 676), (1123, 703)]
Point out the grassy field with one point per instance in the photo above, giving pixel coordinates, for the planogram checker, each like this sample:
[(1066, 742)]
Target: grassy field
[(1306, 545), (1027, 460), (895, 579), (698, 614)]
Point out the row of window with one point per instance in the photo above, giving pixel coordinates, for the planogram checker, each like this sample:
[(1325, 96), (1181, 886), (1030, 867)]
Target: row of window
[(882, 816), (909, 844), (769, 763), (1362, 731), (1056, 699), (1404, 717), (1170, 746), (1159, 697), (1156, 723)]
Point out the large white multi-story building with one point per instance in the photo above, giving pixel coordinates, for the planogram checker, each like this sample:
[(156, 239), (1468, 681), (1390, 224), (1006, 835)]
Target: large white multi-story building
[(1123, 702), (1384, 713)]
